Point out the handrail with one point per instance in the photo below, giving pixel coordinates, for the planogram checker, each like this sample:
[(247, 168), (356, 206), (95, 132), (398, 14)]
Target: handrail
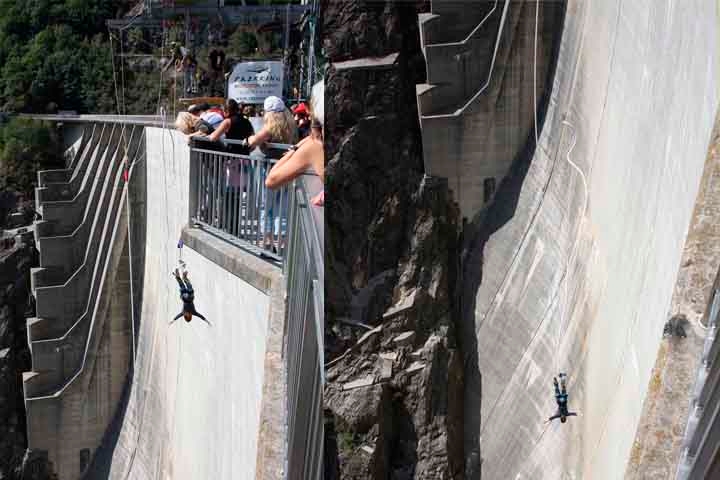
[(229, 199), (462, 109), (303, 354), (691, 442)]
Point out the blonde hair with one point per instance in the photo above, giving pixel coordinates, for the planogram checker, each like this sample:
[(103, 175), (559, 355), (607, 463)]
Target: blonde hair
[(281, 125), (317, 103), (186, 122)]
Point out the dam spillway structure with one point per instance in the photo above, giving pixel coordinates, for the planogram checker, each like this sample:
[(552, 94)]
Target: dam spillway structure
[(573, 135), (119, 390)]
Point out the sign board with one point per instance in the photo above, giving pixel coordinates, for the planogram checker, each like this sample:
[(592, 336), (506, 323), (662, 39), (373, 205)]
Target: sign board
[(253, 82)]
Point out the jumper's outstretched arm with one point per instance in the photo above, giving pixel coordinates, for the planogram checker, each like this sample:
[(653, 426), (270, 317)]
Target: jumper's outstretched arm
[(202, 318)]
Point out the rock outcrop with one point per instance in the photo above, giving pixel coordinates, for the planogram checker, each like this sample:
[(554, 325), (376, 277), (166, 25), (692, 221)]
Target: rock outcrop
[(394, 388), (17, 256), (15, 263)]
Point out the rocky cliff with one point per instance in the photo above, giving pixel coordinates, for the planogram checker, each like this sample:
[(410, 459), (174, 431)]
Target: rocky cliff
[(394, 371), (17, 256)]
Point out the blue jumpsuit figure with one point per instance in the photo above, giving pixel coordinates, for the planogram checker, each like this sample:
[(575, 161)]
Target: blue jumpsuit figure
[(187, 295), (561, 397)]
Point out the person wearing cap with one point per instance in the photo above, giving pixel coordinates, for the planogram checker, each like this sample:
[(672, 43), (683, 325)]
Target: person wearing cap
[(302, 118), (278, 125), (306, 154)]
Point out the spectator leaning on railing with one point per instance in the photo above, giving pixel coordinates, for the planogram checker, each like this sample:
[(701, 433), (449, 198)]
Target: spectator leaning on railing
[(308, 153), (213, 116), (234, 127), (192, 125), (278, 125)]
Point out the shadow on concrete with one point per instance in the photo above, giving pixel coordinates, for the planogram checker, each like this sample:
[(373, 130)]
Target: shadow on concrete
[(474, 237), (102, 459)]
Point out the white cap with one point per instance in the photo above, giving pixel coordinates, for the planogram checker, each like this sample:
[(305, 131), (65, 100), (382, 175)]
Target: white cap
[(273, 104)]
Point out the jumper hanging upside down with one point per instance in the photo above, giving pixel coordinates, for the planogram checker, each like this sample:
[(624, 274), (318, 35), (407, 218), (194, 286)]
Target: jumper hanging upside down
[(187, 295), (561, 397)]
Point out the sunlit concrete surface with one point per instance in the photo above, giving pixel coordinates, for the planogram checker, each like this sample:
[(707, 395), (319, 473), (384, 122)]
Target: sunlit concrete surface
[(194, 403), (579, 279)]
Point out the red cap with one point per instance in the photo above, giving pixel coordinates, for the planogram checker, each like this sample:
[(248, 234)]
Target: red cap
[(301, 108)]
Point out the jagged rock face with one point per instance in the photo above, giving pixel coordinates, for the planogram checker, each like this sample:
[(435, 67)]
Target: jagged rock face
[(396, 395), (15, 266), (395, 378), (372, 139)]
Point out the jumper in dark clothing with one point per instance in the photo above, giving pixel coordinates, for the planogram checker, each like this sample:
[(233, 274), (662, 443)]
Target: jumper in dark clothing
[(561, 397), (187, 295)]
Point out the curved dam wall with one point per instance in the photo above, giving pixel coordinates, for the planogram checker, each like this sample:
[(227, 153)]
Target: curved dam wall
[(573, 266), (117, 391), (194, 405)]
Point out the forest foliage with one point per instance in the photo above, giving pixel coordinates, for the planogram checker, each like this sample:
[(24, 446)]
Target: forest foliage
[(55, 54)]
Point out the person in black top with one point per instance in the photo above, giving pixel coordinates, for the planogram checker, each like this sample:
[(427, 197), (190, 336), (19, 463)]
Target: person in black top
[(187, 295), (235, 127), (561, 397)]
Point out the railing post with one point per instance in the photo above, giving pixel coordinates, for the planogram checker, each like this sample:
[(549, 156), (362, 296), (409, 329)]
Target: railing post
[(195, 177)]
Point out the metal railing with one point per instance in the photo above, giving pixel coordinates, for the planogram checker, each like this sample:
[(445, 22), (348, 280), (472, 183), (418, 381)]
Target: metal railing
[(303, 339), (702, 431), (228, 197)]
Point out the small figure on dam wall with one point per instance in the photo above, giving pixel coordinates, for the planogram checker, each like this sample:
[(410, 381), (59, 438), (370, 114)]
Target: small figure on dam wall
[(561, 397), (187, 295)]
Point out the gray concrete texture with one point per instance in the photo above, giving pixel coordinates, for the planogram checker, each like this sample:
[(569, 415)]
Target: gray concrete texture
[(79, 358), (661, 432), (195, 398), (579, 279), (474, 121)]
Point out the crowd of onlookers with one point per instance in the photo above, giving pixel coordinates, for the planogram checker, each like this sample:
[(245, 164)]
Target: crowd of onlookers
[(230, 129), (301, 127)]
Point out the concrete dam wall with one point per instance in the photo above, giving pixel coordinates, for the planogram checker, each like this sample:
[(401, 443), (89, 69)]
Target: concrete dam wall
[(116, 390), (571, 267), (194, 406)]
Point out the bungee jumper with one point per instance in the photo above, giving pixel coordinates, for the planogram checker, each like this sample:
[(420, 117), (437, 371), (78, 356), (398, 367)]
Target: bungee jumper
[(187, 295), (561, 397)]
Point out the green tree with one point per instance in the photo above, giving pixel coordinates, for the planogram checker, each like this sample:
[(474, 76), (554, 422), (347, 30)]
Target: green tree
[(27, 146)]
